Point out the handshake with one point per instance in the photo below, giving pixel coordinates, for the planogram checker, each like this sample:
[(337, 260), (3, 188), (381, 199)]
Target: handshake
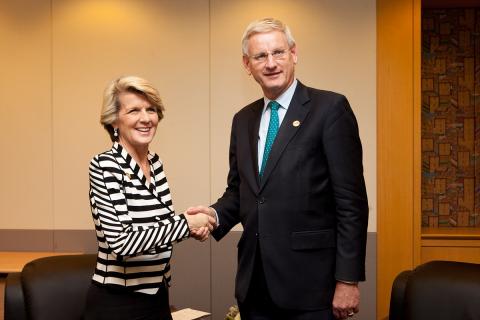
[(201, 221)]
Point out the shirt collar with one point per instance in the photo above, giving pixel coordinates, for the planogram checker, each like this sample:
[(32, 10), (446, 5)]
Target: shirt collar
[(285, 98)]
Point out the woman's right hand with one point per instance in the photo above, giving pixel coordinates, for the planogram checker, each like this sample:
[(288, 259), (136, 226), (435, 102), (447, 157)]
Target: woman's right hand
[(199, 220), (200, 225)]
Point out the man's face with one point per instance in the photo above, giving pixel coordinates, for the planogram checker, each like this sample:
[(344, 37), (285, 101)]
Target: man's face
[(271, 62)]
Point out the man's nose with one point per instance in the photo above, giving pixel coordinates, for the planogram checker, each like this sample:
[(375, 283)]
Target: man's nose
[(271, 62)]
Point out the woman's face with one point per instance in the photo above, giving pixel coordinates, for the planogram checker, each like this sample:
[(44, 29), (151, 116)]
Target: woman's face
[(137, 121)]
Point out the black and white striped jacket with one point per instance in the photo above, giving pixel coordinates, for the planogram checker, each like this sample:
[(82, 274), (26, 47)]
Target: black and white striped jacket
[(134, 221)]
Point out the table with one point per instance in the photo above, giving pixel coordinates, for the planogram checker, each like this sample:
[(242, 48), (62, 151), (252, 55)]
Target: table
[(14, 261)]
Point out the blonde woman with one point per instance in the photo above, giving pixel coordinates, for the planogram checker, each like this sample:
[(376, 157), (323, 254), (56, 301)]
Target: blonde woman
[(132, 210)]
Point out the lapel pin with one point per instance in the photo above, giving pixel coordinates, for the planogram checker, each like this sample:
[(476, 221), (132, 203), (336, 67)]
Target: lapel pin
[(296, 123), (129, 176)]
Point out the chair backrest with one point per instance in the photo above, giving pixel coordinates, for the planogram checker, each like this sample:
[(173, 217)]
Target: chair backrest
[(14, 304), (56, 287), (397, 299), (440, 290)]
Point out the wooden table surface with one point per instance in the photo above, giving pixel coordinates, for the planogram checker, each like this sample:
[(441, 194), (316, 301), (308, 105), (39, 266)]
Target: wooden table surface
[(13, 261)]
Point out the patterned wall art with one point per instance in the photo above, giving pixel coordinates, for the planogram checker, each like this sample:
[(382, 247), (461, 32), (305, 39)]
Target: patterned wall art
[(451, 118)]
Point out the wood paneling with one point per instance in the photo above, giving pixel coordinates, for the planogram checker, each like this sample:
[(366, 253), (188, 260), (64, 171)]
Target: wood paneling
[(417, 130), (452, 252), (399, 86), (398, 80), (453, 244)]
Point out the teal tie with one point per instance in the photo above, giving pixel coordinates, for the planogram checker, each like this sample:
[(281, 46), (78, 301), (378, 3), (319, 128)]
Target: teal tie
[(271, 134)]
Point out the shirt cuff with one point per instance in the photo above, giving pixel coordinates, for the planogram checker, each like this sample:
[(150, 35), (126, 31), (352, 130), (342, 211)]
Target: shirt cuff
[(216, 216), (347, 282)]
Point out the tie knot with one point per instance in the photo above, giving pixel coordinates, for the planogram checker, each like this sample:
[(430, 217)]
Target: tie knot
[(274, 105)]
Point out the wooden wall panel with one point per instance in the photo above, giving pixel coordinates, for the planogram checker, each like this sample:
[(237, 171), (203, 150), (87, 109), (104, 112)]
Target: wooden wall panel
[(397, 138), (453, 244), (465, 250)]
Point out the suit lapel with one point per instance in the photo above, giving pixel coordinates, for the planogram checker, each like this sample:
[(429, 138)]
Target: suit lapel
[(253, 127), (294, 118)]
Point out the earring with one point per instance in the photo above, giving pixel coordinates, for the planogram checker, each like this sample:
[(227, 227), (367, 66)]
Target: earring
[(115, 132)]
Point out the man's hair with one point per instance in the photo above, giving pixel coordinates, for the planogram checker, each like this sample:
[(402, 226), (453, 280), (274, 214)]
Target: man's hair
[(266, 25), (111, 103)]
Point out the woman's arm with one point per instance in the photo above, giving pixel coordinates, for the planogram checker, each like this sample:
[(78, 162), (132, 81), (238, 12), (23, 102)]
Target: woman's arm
[(110, 214)]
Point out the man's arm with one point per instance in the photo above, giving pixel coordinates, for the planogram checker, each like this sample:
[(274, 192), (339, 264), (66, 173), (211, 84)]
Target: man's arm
[(343, 150)]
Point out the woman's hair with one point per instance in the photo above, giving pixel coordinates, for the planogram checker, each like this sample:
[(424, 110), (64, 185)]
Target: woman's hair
[(265, 25), (111, 103)]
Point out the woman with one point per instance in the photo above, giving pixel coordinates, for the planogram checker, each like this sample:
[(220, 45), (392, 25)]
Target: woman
[(132, 210)]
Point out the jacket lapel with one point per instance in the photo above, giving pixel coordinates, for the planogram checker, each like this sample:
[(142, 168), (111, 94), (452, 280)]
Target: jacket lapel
[(294, 118), (131, 170), (152, 158), (253, 127)]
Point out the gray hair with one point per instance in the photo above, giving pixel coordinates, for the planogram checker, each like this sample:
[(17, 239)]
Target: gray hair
[(266, 25)]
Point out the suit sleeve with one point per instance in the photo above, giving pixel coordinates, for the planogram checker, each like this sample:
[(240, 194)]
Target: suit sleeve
[(343, 150), (227, 206), (110, 214)]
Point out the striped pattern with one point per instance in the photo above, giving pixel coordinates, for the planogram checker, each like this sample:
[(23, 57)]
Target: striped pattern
[(134, 221)]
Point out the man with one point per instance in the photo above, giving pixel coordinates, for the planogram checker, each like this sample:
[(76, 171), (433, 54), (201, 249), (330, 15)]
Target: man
[(296, 185)]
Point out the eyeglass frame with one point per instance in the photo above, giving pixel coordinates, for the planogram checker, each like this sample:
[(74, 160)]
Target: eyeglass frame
[(262, 57)]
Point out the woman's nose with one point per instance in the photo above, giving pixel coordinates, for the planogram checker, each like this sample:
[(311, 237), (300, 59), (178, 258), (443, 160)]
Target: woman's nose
[(144, 117)]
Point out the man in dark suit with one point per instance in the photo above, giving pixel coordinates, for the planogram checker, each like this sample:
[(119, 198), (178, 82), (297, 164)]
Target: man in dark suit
[(296, 185)]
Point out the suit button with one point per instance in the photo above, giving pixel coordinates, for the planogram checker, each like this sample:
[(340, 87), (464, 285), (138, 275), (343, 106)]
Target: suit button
[(256, 234), (261, 200)]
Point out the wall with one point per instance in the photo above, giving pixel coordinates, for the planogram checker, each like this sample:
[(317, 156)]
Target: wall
[(57, 56), (399, 163)]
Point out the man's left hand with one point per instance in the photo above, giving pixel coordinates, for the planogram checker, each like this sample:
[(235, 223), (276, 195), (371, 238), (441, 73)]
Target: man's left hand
[(346, 300)]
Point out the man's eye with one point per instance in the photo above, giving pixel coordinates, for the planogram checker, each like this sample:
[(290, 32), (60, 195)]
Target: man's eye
[(152, 109), (261, 56)]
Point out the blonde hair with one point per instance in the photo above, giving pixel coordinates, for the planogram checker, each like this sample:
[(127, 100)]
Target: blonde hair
[(266, 25), (111, 104)]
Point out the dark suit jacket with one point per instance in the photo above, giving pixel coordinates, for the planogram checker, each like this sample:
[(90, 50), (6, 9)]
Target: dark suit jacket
[(309, 212)]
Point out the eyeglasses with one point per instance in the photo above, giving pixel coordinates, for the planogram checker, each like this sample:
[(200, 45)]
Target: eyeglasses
[(277, 55)]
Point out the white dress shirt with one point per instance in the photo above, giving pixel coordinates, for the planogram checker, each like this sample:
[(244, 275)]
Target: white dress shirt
[(284, 100)]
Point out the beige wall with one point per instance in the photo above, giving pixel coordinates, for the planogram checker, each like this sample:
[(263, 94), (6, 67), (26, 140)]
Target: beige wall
[(57, 56)]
